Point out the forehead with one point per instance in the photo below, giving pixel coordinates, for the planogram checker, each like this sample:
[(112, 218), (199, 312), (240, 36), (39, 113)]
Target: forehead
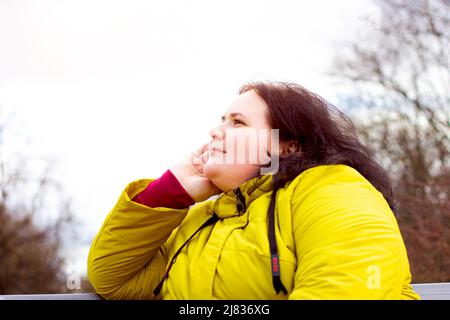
[(250, 105)]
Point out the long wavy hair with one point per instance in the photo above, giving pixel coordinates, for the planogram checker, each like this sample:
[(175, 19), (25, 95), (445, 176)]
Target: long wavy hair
[(324, 134)]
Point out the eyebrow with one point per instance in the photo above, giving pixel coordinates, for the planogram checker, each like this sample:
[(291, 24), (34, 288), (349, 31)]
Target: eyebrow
[(233, 115)]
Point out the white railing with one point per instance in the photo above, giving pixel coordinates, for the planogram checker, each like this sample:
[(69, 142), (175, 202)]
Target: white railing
[(428, 291)]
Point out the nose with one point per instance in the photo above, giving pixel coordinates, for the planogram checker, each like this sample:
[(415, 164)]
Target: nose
[(217, 133)]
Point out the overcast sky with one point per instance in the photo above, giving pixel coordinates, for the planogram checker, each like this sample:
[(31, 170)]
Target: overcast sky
[(115, 91)]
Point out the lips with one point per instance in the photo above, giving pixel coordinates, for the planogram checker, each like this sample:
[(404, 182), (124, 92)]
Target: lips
[(216, 149)]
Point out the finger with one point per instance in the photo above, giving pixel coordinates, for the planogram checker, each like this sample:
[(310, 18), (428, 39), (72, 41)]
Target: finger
[(199, 157), (198, 170), (203, 148), (195, 160), (205, 155), (198, 163)]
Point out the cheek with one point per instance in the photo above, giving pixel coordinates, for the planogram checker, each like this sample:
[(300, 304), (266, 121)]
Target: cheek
[(247, 146), (249, 151)]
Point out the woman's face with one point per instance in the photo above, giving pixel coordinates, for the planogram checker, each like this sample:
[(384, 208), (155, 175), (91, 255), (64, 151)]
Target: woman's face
[(239, 144)]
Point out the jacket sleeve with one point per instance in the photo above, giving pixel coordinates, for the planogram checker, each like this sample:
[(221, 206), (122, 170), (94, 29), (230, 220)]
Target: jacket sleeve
[(347, 240), (127, 258)]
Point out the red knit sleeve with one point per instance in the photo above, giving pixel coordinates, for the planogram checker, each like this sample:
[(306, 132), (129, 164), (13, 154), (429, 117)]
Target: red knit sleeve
[(165, 191)]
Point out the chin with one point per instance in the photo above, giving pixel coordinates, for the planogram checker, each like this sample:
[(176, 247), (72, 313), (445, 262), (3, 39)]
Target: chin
[(228, 177), (218, 175)]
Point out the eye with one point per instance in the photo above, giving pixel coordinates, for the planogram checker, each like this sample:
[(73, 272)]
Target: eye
[(236, 121)]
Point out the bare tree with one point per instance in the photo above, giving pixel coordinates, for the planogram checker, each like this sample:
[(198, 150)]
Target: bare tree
[(31, 240), (399, 70)]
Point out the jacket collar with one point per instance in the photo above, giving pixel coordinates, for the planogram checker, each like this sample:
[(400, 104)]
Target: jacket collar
[(235, 202)]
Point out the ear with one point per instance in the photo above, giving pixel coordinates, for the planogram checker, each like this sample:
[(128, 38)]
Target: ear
[(289, 147)]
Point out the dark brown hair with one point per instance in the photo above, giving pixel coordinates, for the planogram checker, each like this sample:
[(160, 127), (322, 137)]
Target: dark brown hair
[(324, 134)]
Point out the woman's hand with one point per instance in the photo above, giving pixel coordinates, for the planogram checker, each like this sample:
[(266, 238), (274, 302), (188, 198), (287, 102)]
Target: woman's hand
[(190, 174)]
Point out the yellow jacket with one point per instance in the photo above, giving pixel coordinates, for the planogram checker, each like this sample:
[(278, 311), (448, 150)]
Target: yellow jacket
[(336, 236)]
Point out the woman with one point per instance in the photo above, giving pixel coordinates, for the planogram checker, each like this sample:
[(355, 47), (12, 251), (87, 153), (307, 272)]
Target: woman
[(321, 226)]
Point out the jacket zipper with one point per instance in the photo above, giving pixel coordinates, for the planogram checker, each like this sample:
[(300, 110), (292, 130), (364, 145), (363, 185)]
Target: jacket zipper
[(241, 207)]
